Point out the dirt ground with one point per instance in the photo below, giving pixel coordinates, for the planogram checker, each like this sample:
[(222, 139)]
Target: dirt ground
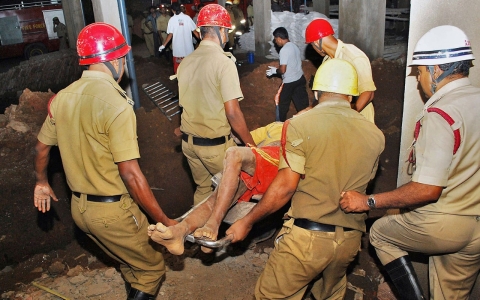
[(49, 250)]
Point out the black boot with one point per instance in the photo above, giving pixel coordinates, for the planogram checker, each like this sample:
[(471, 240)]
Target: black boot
[(403, 276), (135, 294)]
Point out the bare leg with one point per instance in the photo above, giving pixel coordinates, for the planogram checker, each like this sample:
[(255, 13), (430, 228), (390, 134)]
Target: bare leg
[(237, 159)]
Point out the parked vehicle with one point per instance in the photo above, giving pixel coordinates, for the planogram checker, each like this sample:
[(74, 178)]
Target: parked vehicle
[(27, 28)]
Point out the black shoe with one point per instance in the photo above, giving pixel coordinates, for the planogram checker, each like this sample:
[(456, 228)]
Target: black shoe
[(405, 279), (135, 294)]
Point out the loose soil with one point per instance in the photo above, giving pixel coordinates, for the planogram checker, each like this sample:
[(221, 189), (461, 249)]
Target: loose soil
[(49, 250)]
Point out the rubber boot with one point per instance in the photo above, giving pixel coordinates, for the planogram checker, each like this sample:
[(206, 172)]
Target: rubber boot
[(135, 294), (404, 278)]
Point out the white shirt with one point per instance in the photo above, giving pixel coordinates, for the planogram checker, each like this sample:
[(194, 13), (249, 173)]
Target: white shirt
[(181, 26)]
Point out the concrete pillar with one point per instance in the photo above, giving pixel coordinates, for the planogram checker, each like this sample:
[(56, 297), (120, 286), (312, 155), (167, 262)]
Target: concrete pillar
[(439, 13), (263, 17), (322, 6), (107, 11), (73, 12), (362, 23)]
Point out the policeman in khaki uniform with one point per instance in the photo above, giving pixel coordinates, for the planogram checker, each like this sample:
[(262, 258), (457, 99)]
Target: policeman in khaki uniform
[(93, 123), (162, 24), (319, 159), (148, 34), (61, 31), (319, 33), (444, 192), (209, 92)]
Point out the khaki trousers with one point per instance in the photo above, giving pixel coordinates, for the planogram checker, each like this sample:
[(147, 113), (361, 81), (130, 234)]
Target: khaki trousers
[(149, 43), (204, 162), (120, 229), (303, 256), (452, 241)]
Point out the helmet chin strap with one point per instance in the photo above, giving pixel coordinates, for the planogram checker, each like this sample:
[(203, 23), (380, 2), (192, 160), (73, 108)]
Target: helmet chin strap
[(115, 74), (217, 31), (431, 70), (319, 47)]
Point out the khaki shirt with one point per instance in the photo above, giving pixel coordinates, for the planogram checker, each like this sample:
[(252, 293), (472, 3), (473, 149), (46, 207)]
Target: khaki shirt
[(436, 164), (162, 22), (94, 128), (338, 150), (207, 79), (362, 65), (145, 28), (61, 30)]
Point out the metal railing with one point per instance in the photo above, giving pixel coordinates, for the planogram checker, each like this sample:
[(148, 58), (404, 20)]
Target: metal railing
[(23, 5)]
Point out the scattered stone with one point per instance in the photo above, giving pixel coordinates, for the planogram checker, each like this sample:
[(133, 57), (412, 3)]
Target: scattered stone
[(3, 120), (8, 294), (264, 257), (258, 262), (56, 268), (354, 288), (110, 273), (18, 126), (37, 270), (98, 289), (268, 250), (91, 259), (359, 272), (75, 271), (385, 292), (79, 279), (7, 269)]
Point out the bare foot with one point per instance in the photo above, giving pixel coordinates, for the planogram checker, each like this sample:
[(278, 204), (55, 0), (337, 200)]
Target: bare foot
[(171, 237), (209, 231)]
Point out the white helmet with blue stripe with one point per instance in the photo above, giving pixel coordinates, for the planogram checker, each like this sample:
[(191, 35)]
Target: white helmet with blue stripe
[(441, 45)]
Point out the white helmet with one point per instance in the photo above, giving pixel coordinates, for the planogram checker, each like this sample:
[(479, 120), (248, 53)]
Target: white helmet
[(441, 45)]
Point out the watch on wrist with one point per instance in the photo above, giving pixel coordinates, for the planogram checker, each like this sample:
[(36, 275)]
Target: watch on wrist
[(371, 201)]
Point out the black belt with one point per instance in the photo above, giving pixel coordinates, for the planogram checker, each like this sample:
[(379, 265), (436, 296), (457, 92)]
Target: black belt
[(198, 141), (94, 198), (310, 225)]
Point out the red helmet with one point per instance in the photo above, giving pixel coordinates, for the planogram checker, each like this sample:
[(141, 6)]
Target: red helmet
[(100, 42), (214, 15), (317, 29)]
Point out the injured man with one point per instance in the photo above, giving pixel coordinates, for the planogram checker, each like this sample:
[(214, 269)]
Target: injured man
[(247, 171)]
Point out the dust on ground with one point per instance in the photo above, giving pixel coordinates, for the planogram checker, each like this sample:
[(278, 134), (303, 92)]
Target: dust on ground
[(49, 250)]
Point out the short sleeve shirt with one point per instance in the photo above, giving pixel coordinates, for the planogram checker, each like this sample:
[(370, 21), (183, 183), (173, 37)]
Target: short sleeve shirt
[(363, 67), (94, 128), (162, 22), (337, 150), (61, 30), (181, 26), (290, 56), (436, 164), (207, 79)]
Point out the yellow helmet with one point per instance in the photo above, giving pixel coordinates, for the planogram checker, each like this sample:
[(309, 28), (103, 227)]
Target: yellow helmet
[(336, 76), (236, 2)]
